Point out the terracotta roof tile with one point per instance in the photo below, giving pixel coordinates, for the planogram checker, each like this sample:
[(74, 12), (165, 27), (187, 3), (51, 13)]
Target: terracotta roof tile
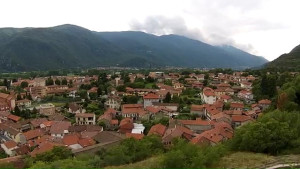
[(158, 129), (135, 136)]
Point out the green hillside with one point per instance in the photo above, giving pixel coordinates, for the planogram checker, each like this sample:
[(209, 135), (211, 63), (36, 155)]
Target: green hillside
[(289, 61), (70, 46)]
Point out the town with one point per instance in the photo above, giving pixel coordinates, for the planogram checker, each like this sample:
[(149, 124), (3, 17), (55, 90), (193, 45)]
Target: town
[(87, 113)]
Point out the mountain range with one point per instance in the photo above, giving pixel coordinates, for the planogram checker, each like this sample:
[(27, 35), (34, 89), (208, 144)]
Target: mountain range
[(70, 46)]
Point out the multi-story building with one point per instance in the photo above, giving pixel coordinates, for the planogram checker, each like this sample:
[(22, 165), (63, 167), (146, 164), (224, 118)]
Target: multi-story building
[(85, 118)]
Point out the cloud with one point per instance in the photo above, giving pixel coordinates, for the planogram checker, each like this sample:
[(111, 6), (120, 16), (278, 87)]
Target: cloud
[(216, 22), (161, 25)]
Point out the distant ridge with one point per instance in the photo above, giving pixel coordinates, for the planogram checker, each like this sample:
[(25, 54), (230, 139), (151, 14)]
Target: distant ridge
[(70, 46)]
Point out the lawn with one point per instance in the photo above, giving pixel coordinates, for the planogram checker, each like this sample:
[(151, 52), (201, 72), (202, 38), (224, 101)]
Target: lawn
[(234, 160), (153, 162)]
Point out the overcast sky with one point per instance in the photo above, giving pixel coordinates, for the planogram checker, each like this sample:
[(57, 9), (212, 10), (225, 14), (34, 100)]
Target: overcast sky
[(267, 28)]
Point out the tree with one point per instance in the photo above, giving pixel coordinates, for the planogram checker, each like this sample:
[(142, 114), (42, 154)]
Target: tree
[(24, 84), (121, 88), (57, 82), (57, 153), (6, 83), (64, 81), (17, 111), (49, 82), (29, 97), (167, 98), (70, 83), (267, 135), (19, 97)]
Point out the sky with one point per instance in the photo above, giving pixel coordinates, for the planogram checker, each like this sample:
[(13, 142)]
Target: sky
[(266, 28)]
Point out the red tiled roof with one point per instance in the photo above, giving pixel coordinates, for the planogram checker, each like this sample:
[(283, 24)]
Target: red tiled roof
[(196, 122), (157, 129), (152, 109), (208, 91), (241, 118), (85, 115), (226, 97), (133, 111), (33, 134), (233, 112), (197, 107), (126, 121), (37, 122), (135, 136), (114, 122), (13, 117), (265, 101), (151, 96), (59, 127), (48, 123), (46, 146), (70, 139), (237, 105), (85, 142), (10, 144), (132, 106)]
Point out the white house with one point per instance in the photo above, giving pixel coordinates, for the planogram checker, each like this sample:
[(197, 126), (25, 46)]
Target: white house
[(150, 98), (85, 118), (208, 96), (113, 102), (9, 146)]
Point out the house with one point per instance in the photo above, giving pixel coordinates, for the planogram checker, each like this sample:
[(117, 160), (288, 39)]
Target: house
[(210, 111), (197, 109), (23, 104), (108, 119), (3, 116), (93, 90), (226, 98), (208, 96), (178, 86), (46, 109), (246, 95), (22, 150), (177, 132), (171, 106), (13, 118), (126, 125), (237, 106), (134, 111), (71, 140), (56, 89), (246, 85), (44, 147), (239, 120), (264, 104), (35, 123), (85, 118), (197, 126), (12, 133), (221, 132), (85, 142), (60, 128), (113, 102), (150, 98), (9, 147), (158, 129), (7, 102), (33, 134), (138, 128), (221, 117), (75, 108)]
